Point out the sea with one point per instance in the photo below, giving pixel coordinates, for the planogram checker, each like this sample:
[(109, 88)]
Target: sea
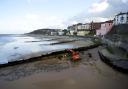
[(23, 47)]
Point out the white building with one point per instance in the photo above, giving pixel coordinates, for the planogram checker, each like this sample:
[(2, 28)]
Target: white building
[(80, 29), (121, 18), (72, 29), (60, 33), (83, 26), (87, 26), (83, 29)]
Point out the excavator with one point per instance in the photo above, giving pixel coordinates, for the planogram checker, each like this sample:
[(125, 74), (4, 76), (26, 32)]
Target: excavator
[(73, 54)]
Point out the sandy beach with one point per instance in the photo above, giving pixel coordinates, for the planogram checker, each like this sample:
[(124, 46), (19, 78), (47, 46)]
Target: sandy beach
[(58, 72)]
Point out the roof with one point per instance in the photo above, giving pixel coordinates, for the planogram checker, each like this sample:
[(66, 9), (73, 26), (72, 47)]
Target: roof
[(122, 13), (109, 21), (79, 24)]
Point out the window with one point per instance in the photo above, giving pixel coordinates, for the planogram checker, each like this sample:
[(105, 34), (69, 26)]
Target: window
[(122, 18), (127, 18), (117, 19)]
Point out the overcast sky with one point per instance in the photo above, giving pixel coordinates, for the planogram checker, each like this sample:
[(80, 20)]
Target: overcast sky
[(21, 16)]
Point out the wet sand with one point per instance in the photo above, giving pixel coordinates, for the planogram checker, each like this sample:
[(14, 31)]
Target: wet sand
[(57, 72)]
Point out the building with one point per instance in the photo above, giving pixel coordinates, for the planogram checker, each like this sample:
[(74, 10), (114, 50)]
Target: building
[(60, 33), (83, 29), (85, 26), (94, 26), (105, 28), (86, 29), (79, 29), (53, 33), (72, 29), (80, 26), (121, 18)]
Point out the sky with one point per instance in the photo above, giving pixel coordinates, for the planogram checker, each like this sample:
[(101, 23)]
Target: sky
[(23, 16)]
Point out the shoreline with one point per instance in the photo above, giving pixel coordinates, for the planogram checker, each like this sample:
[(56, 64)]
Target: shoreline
[(26, 47), (48, 54)]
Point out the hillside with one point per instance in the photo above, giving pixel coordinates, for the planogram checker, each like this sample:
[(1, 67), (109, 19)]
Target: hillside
[(43, 31)]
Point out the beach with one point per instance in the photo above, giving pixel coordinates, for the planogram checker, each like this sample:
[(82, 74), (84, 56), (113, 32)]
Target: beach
[(23, 47), (58, 72)]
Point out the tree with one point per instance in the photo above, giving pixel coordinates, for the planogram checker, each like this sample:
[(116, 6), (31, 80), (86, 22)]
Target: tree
[(65, 31)]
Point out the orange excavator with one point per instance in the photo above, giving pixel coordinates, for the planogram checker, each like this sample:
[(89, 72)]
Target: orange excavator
[(74, 54)]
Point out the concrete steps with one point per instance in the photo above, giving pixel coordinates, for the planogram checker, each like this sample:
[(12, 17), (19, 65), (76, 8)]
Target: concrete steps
[(117, 62)]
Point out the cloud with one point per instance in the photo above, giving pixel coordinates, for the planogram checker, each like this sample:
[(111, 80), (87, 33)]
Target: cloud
[(32, 16), (101, 11), (29, 22), (124, 1), (98, 7), (29, 1), (35, 1), (112, 7)]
